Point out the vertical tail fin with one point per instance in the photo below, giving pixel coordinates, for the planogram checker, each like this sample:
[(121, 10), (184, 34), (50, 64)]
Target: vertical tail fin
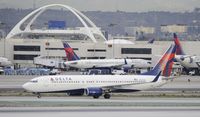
[(179, 50), (151, 41), (71, 55), (165, 63)]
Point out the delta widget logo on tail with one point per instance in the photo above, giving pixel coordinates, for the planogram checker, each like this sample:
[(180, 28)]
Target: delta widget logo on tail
[(71, 56)]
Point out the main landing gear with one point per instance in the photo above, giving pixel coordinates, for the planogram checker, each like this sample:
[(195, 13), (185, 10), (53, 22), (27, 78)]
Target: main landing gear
[(37, 94), (106, 96), (96, 96)]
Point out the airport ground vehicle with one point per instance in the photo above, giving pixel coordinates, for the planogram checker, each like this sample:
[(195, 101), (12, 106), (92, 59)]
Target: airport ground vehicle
[(118, 72), (96, 72), (54, 71)]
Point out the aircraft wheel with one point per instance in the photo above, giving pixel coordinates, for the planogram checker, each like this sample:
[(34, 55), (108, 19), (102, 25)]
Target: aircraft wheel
[(38, 95), (95, 97), (107, 96)]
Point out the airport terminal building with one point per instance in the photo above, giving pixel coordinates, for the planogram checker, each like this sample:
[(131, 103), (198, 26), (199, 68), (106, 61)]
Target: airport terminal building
[(25, 41)]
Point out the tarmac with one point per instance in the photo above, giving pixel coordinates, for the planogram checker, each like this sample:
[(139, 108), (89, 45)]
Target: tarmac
[(158, 104), (67, 101), (88, 107), (100, 112)]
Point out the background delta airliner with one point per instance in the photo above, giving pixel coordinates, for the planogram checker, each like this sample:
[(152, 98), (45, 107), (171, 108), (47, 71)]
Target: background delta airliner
[(74, 61), (98, 85), (189, 62)]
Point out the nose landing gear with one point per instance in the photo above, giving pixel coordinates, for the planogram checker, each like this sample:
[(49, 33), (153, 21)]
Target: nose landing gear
[(37, 94)]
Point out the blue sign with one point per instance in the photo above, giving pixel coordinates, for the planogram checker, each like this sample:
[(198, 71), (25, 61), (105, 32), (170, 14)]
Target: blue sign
[(56, 24)]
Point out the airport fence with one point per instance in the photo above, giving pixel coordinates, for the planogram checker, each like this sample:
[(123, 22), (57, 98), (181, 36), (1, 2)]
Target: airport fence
[(27, 71)]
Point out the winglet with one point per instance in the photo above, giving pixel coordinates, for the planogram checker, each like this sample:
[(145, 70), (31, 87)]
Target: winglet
[(151, 41), (157, 77), (71, 55)]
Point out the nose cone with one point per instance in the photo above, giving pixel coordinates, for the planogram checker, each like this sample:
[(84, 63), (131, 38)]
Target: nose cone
[(26, 86)]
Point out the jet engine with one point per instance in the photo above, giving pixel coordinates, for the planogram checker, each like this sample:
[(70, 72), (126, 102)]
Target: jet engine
[(188, 59), (94, 92)]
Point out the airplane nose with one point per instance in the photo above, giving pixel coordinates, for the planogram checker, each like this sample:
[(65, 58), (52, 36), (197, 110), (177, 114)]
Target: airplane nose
[(25, 86)]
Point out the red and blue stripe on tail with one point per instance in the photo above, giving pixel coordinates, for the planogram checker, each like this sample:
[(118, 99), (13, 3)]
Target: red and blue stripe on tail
[(165, 63), (71, 55), (179, 50)]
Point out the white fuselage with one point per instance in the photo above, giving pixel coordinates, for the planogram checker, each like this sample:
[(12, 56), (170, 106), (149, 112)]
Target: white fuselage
[(141, 87), (188, 61), (96, 63), (73, 82)]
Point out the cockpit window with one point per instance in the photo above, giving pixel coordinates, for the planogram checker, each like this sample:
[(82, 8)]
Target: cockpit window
[(34, 81)]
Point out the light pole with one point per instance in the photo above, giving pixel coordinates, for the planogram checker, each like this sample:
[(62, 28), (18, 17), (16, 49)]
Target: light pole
[(111, 25), (2, 25), (47, 45)]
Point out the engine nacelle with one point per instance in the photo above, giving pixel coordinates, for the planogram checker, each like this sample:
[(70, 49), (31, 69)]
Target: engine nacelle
[(94, 91), (188, 60)]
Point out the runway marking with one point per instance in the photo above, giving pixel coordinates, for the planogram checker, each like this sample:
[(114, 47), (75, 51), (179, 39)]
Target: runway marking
[(86, 101), (97, 109)]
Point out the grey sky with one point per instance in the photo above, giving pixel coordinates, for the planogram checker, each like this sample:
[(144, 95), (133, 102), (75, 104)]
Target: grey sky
[(110, 5)]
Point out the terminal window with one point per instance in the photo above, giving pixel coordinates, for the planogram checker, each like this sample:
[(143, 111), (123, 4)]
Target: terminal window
[(136, 51), (24, 57), (59, 48), (96, 50), (26, 48)]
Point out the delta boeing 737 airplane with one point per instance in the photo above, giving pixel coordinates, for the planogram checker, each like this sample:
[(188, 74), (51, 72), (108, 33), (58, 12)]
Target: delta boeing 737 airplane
[(74, 61), (190, 62), (98, 85)]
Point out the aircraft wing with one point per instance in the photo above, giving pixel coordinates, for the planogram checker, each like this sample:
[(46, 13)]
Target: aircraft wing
[(113, 86), (154, 80), (117, 66)]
